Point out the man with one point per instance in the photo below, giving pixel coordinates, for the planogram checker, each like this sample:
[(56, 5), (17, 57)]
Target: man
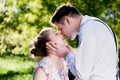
[(96, 57)]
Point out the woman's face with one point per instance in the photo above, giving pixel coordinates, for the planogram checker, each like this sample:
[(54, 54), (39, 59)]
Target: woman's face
[(58, 39)]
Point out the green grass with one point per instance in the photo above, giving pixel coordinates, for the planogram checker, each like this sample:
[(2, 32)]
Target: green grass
[(16, 68), (19, 67)]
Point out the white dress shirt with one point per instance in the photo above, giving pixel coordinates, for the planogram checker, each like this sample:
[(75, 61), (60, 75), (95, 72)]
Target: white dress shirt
[(96, 57)]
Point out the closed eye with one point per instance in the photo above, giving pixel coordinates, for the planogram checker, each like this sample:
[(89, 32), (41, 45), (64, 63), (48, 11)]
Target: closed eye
[(56, 34)]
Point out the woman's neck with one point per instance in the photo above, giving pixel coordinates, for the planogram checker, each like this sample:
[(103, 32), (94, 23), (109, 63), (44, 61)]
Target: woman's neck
[(56, 61)]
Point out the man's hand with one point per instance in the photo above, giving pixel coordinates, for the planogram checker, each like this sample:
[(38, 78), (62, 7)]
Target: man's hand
[(71, 50), (52, 48), (76, 78)]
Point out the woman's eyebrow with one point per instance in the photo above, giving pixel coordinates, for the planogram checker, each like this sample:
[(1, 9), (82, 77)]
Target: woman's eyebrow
[(54, 32)]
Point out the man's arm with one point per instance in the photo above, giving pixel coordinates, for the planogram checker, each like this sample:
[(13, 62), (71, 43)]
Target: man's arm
[(83, 61), (70, 58)]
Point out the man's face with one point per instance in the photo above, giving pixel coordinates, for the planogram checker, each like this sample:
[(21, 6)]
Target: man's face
[(67, 28), (62, 28)]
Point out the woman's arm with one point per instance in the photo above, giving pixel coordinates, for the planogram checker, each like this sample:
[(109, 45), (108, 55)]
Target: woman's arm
[(39, 74)]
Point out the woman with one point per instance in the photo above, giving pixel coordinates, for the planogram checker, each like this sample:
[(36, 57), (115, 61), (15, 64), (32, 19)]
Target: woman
[(52, 66)]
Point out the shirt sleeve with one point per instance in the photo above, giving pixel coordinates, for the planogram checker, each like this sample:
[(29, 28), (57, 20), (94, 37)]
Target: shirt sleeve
[(82, 64), (71, 62)]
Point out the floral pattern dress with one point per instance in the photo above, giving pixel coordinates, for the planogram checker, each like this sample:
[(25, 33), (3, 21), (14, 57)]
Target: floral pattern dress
[(51, 72)]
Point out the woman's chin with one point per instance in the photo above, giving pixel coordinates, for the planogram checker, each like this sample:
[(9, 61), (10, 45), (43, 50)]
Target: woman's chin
[(72, 38)]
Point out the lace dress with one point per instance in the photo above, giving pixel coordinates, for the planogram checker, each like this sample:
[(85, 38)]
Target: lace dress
[(51, 72)]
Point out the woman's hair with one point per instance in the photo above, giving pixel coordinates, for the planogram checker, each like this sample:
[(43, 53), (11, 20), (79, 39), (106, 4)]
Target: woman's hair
[(39, 44)]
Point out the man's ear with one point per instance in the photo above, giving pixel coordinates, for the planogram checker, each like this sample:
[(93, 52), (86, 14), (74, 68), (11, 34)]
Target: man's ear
[(67, 20)]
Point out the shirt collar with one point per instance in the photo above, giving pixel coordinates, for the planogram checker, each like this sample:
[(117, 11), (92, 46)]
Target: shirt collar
[(83, 21)]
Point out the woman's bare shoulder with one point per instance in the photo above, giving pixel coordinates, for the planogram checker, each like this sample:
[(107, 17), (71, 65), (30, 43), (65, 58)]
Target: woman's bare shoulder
[(39, 74)]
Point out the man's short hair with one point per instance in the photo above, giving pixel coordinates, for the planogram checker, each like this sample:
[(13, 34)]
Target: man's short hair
[(62, 11)]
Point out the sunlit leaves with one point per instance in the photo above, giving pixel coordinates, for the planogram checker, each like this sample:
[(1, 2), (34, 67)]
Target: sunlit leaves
[(21, 20)]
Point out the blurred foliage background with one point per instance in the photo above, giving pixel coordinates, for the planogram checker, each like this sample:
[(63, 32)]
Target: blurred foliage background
[(21, 21)]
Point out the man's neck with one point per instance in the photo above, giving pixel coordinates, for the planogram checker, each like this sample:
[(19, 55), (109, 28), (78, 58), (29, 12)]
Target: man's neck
[(79, 21)]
